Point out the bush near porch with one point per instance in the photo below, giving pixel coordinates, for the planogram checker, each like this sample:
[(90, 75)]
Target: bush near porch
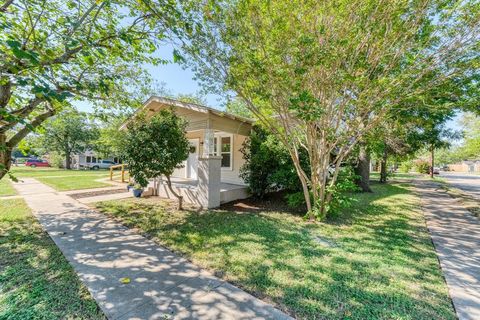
[(374, 261)]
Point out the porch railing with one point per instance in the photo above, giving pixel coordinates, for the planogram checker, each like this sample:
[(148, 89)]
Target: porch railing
[(123, 172)]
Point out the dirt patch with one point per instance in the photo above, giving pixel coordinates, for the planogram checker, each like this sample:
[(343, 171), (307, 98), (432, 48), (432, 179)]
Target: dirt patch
[(96, 193), (272, 202)]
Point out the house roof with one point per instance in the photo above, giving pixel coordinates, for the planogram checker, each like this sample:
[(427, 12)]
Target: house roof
[(189, 106)]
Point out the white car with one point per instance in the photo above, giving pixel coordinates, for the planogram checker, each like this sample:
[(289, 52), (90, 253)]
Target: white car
[(102, 164)]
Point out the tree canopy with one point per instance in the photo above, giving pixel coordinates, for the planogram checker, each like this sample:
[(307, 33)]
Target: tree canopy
[(68, 133), (322, 74), (54, 52)]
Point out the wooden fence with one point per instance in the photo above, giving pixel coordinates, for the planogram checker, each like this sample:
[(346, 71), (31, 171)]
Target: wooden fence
[(123, 172)]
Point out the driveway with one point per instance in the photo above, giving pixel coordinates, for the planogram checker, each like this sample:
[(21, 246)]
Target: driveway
[(470, 183)]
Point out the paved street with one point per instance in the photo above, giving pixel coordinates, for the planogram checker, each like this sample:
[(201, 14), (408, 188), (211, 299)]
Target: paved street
[(469, 183)]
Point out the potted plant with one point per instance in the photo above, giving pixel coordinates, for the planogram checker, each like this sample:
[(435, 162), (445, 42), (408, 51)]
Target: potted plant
[(129, 186), (137, 190)]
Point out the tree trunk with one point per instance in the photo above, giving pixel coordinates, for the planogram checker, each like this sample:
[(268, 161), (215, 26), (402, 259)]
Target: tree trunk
[(432, 160), (383, 167), (5, 156), (179, 197), (68, 160), (362, 169)]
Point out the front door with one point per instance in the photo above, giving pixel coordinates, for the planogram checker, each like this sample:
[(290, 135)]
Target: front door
[(192, 161)]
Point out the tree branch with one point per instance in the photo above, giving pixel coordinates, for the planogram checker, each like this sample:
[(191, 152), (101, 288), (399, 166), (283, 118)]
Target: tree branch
[(5, 6), (15, 139)]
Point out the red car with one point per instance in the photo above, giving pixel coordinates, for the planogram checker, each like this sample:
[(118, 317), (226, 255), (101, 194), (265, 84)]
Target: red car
[(36, 163)]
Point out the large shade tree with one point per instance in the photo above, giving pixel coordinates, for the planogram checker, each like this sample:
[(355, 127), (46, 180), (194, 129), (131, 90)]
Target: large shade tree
[(321, 74), (53, 52)]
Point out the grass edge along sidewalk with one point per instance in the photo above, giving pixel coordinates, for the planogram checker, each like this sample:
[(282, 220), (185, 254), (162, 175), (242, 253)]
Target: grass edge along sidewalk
[(375, 260), (36, 281)]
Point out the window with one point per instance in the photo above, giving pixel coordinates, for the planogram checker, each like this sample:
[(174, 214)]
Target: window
[(89, 159), (226, 152), (223, 147)]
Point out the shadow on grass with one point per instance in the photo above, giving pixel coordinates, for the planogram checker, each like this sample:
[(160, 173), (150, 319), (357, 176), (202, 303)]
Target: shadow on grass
[(36, 281), (373, 261)]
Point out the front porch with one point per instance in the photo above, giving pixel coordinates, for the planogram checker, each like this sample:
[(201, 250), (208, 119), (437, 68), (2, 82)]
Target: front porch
[(189, 190), (211, 174)]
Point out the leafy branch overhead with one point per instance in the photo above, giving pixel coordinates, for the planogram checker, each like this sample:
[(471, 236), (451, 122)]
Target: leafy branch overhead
[(54, 52)]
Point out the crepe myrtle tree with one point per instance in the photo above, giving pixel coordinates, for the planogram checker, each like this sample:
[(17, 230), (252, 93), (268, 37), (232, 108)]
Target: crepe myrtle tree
[(321, 74), (55, 52), (155, 148)]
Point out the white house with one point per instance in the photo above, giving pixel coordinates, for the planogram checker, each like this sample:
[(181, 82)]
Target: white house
[(211, 174), (89, 157)]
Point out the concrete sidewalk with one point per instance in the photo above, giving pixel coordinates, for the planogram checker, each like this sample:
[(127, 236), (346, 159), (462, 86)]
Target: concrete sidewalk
[(162, 284), (455, 233)]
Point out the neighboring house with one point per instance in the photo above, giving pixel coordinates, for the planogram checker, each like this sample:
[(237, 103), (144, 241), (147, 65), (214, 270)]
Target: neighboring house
[(211, 174), (89, 159), (466, 166)]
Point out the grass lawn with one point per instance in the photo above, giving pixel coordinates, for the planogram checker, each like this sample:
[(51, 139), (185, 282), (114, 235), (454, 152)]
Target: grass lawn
[(397, 175), (73, 183), (63, 180), (375, 261), (36, 281), (6, 188)]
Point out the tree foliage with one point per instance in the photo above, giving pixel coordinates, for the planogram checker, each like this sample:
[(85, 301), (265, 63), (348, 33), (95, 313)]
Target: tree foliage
[(68, 133), (268, 166), (321, 74), (155, 148), (54, 52)]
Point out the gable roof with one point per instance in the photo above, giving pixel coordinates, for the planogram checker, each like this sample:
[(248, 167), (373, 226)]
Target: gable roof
[(189, 106)]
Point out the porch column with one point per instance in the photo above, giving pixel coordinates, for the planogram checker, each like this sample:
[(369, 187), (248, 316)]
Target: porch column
[(209, 174), (208, 142)]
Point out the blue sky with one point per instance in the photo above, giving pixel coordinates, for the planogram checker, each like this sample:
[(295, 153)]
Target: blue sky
[(176, 79), (179, 80)]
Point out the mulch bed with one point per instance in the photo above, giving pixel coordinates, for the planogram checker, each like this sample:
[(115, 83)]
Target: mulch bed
[(96, 193), (272, 202)]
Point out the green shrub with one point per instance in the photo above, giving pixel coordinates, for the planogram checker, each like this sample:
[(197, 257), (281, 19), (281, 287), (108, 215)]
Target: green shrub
[(295, 200), (422, 166), (55, 159), (342, 192), (406, 166), (268, 166)]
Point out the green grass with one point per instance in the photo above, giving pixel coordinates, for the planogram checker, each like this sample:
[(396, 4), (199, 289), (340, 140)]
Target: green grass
[(73, 183), (397, 175), (63, 180), (23, 172), (36, 281), (375, 261), (6, 188)]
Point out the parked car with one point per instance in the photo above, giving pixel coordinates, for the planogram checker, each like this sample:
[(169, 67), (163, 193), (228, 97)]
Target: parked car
[(102, 164), (33, 163), (436, 170)]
